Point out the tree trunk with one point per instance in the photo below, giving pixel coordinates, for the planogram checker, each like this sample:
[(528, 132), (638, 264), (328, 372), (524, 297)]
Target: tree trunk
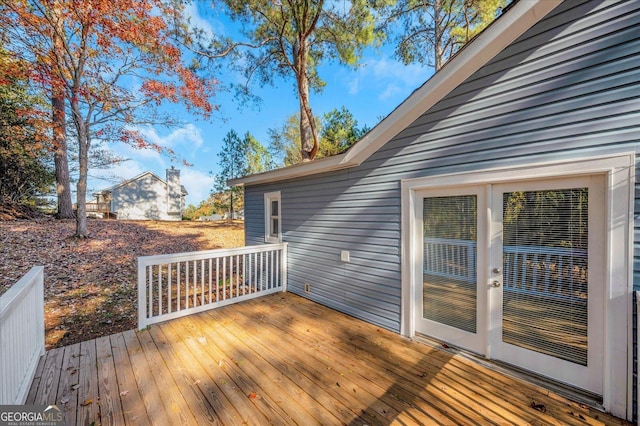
[(308, 132), (60, 157), (438, 34), (83, 163)]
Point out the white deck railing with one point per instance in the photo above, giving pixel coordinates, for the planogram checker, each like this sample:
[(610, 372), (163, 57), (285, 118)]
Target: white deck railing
[(553, 272), (175, 285), (21, 335)]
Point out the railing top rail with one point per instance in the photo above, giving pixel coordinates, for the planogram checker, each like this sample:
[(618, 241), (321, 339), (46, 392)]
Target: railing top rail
[(449, 241), (18, 290), (563, 251), (207, 254)]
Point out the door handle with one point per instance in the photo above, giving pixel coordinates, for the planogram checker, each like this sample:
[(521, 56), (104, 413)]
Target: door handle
[(495, 283)]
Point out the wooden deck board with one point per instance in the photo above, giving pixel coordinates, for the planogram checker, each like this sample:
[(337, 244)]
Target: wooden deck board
[(282, 359), (67, 395), (88, 381), (133, 407), (110, 405)]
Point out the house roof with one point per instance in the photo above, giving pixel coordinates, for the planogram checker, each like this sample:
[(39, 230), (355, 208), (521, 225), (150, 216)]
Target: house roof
[(501, 33), (128, 181), (133, 179)]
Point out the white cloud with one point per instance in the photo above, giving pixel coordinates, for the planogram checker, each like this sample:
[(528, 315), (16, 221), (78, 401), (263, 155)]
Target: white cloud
[(188, 135), (390, 91), (209, 24), (197, 184), (354, 86), (387, 77), (404, 75)]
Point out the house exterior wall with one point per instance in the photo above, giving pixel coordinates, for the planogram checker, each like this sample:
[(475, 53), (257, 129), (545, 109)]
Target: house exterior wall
[(142, 199), (567, 88), (175, 205)]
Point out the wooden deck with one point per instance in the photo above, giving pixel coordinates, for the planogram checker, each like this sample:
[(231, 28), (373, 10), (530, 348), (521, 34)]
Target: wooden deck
[(282, 359)]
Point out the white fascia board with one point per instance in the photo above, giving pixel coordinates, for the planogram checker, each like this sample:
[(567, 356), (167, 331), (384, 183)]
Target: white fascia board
[(518, 19), (297, 170)]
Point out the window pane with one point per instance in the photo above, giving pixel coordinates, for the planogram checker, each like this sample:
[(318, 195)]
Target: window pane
[(449, 261), (275, 230), (274, 208), (545, 260)]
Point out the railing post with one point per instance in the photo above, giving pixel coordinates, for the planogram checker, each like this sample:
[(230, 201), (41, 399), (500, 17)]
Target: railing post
[(142, 294), (40, 311), (283, 266), (21, 335)]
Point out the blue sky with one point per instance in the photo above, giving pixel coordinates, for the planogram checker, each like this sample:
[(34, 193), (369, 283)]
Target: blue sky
[(371, 91)]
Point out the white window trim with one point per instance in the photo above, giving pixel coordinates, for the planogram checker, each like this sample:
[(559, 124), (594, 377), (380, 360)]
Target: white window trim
[(268, 198), (620, 171)]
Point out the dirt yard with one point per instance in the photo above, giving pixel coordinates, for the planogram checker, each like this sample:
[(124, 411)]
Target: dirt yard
[(90, 285)]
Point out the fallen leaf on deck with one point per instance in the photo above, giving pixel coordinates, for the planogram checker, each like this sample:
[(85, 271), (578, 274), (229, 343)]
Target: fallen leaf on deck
[(124, 393), (87, 402), (539, 407), (253, 395), (65, 400)]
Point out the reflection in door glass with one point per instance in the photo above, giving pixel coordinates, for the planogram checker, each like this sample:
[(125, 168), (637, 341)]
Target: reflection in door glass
[(449, 261), (545, 235)]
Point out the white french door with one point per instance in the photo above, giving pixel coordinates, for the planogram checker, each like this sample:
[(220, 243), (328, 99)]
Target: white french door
[(451, 302), (515, 272)]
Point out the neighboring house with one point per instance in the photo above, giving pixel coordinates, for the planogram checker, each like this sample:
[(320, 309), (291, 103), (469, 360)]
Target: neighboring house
[(236, 215), (435, 222), (144, 197), (210, 218)]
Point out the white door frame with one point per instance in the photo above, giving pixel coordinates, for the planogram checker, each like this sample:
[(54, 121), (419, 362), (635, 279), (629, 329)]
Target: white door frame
[(619, 170), (475, 342), (581, 376)]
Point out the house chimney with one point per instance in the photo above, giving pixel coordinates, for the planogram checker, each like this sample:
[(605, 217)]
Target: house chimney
[(174, 193)]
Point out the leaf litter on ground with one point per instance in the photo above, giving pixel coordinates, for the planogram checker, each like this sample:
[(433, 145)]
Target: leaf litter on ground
[(90, 284)]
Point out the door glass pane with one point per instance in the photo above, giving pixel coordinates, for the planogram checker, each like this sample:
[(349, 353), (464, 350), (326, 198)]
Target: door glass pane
[(449, 261), (545, 235)]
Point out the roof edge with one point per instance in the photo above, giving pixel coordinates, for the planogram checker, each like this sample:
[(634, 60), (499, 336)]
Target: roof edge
[(321, 165), (128, 181), (501, 33)]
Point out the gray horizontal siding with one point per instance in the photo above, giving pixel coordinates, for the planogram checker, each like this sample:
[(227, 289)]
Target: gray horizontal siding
[(567, 88)]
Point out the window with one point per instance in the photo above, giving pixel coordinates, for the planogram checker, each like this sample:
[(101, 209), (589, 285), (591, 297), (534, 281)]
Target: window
[(272, 216)]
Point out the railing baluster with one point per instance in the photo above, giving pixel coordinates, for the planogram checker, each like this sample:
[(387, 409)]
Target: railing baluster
[(271, 269), (235, 276), (160, 289), (186, 284), (169, 301), (217, 279), (244, 274), (210, 279), (178, 285), (277, 272), (150, 298), (202, 282), (224, 278), (195, 283)]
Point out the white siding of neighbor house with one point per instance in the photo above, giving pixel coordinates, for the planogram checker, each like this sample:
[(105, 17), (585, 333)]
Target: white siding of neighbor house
[(142, 199), (567, 88)]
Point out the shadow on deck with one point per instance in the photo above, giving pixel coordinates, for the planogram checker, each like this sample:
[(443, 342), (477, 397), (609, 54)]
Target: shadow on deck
[(282, 359)]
